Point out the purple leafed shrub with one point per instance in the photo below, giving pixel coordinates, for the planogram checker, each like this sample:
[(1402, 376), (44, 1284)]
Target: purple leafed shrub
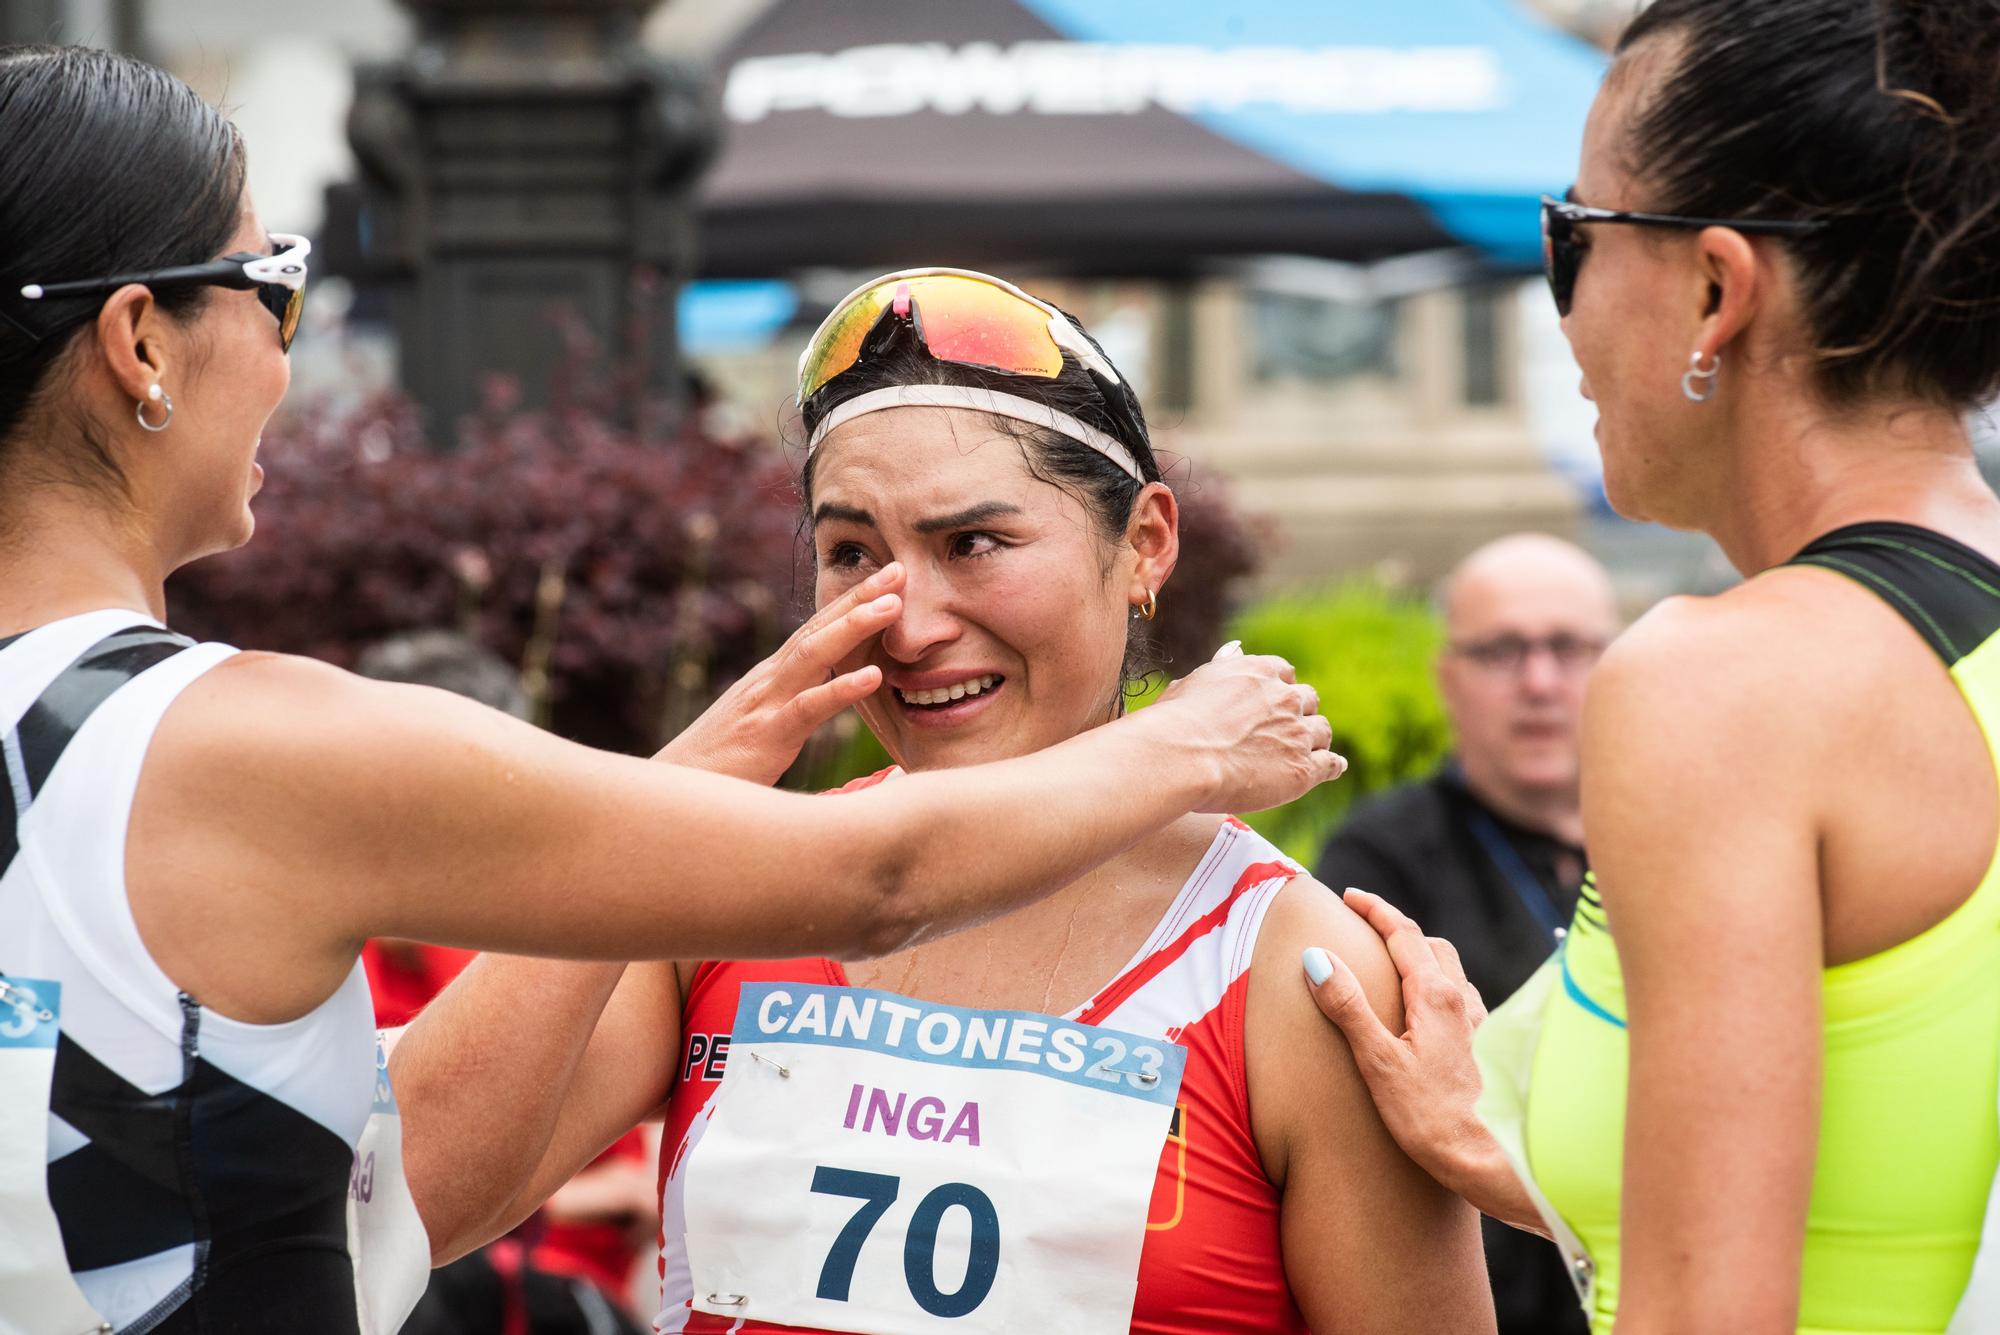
[(628, 574), (1219, 552)]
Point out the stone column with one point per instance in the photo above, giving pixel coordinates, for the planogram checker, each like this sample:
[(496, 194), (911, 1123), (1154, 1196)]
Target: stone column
[(527, 159)]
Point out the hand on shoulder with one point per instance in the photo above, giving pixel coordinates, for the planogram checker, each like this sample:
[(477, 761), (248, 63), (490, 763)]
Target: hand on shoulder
[(1356, 1207), (1302, 1073)]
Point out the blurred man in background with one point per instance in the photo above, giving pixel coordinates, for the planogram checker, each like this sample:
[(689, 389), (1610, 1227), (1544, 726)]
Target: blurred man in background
[(1489, 851)]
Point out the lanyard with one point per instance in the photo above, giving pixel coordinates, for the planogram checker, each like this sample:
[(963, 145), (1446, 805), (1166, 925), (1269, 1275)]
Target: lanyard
[(1527, 887)]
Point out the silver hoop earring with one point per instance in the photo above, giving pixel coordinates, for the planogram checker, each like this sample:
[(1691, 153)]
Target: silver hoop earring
[(1694, 373), (166, 400)]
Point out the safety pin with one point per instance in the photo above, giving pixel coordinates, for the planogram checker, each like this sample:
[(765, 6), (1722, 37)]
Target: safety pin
[(783, 1071), (23, 1000), (727, 1299), (1144, 1079)]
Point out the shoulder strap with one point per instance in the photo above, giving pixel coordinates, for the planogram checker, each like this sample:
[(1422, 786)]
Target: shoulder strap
[(34, 745), (1949, 593)]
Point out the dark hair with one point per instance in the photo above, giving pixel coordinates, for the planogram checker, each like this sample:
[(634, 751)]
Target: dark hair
[(111, 166), (1106, 491), (1880, 116)]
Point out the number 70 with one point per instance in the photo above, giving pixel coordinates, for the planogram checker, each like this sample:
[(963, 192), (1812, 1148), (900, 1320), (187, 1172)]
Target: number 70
[(876, 1192)]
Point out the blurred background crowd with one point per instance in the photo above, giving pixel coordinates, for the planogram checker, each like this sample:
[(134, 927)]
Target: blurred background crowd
[(540, 448)]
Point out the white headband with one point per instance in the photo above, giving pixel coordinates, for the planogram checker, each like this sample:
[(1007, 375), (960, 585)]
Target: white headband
[(985, 401)]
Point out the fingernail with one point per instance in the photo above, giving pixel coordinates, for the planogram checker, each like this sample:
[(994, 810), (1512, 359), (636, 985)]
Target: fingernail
[(888, 602), (1318, 965), (1230, 650)]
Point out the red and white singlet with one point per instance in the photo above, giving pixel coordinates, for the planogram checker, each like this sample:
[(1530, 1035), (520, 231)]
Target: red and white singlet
[(1211, 1260)]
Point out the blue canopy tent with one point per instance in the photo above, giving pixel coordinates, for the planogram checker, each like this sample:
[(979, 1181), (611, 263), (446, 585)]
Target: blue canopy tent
[(1139, 136)]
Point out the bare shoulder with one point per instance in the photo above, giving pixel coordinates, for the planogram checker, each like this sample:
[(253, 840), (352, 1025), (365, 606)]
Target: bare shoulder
[(1791, 628), (1725, 733), (244, 695), (1751, 675), (256, 716), (324, 789), (1306, 913), (1302, 1077)]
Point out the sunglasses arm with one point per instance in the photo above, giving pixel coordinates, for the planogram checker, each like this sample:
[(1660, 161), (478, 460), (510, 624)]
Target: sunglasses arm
[(1070, 340)]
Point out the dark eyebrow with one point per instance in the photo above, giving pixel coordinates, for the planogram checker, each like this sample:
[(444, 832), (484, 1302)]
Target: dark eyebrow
[(976, 514), (832, 510)]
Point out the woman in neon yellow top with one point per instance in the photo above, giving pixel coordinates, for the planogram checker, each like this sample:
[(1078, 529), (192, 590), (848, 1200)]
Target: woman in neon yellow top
[(1758, 1087)]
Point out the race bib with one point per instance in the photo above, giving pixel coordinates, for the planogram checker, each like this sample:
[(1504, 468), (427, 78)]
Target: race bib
[(386, 1236), (876, 1163), (37, 1294)]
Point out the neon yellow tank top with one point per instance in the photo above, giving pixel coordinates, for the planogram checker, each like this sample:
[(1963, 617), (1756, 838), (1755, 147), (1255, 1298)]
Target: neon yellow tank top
[(1909, 1132)]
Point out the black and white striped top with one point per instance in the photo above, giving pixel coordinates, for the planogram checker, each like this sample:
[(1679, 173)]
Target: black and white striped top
[(198, 1167)]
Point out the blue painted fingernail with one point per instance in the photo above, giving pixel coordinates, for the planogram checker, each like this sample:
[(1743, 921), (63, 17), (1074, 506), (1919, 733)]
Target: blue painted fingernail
[(1318, 965)]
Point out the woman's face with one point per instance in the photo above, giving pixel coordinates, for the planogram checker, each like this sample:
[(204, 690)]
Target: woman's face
[(1634, 319), (1015, 614), (226, 374)]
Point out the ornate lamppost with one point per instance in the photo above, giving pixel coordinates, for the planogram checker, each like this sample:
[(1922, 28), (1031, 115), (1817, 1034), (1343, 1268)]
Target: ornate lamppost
[(527, 157)]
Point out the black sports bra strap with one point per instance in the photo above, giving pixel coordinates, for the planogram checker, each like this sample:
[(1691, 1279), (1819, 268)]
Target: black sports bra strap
[(1949, 593), (31, 750)]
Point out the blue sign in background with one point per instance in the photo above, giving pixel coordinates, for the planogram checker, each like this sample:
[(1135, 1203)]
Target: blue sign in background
[(1481, 173)]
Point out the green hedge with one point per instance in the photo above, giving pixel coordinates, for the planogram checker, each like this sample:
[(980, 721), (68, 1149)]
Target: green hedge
[(1370, 654), (1368, 651)]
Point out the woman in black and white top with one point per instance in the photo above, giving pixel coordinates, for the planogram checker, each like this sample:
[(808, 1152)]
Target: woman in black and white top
[(197, 840)]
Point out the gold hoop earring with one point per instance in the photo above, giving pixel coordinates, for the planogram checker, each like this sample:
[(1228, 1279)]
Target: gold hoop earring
[(1149, 609)]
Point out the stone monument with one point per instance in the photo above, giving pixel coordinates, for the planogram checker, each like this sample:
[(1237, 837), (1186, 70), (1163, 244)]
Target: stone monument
[(526, 166)]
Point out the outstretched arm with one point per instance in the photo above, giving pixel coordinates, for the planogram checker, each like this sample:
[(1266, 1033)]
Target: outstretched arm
[(321, 809), (500, 1111), (489, 1131), (510, 1081)]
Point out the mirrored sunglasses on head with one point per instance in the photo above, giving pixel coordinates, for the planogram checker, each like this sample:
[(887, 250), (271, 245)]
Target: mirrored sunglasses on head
[(962, 317), (278, 279)]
